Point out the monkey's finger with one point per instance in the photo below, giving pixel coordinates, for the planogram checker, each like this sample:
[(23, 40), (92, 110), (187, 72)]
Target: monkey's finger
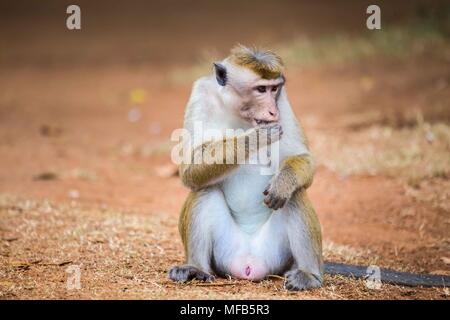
[(181, 274), (279, 203), (203, 276), (267, 200), (273, 202)]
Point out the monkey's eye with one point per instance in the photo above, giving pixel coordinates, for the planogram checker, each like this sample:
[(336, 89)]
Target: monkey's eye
[(261, 89), (274, 88)]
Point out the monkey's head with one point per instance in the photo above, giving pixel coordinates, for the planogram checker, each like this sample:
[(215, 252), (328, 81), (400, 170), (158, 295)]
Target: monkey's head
[(251, 81)]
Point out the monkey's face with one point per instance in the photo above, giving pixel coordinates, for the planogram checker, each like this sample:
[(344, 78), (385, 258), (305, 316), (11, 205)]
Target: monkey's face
[(260, 103), (262, 108), (252, 98)]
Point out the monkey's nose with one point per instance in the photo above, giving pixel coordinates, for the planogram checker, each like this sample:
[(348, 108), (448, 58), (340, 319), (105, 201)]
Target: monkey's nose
[(273, 116)]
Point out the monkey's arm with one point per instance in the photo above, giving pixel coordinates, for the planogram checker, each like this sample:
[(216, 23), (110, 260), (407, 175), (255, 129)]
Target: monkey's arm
[(296, 172), (235, 151), (198, 176), (211, 170)]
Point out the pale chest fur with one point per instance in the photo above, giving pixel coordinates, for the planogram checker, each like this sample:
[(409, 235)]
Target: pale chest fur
[(243, 191)]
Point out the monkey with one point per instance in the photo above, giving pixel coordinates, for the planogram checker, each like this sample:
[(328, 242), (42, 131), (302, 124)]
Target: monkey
[(236, 221), (265, 225)]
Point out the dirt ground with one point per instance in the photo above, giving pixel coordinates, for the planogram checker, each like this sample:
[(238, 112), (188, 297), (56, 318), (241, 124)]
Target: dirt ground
[(86, 178)]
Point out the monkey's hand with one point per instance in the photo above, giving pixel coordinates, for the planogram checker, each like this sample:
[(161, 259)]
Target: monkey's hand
[(280, 190), (260, 136), (265, 135), (296, 172), (268, 134)]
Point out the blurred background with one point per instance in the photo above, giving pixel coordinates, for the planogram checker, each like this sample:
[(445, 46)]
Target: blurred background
[(86, 117), (177, 32)]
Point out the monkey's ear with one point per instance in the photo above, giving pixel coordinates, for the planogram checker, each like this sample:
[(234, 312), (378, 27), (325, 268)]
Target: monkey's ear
[(221, 73)]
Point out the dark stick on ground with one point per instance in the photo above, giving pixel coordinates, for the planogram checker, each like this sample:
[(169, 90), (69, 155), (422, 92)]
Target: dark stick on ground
[(389, 276)]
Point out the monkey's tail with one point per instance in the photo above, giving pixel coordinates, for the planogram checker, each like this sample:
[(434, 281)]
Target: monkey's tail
[(388, 276)]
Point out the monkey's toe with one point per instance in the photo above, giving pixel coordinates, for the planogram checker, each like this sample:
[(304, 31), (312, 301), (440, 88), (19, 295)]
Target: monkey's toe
[(186, 273), (297, 280)]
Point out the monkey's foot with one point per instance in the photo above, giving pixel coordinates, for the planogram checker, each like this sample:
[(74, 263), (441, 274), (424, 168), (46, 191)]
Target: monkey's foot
[(186, 273), (297, 280)]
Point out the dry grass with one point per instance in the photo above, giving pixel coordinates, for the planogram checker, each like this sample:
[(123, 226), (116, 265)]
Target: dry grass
[(438, 194), (389, 42), (126, 254), (414, 153), (346, 254)]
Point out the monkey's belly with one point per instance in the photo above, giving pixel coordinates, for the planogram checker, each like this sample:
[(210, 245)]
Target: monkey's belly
[(243, 193), (254, 250), (256, 245)]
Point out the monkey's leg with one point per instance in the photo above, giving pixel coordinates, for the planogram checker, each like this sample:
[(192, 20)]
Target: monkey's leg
[(305, 242), (201, 212)]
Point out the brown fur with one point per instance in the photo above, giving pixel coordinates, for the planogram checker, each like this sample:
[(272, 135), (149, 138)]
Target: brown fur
[(312, 222), (302, 168), (265, 63), (296, 172), (197, 176), (184, 223)]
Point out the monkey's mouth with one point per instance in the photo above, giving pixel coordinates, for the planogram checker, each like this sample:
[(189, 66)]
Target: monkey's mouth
[(258, 122)]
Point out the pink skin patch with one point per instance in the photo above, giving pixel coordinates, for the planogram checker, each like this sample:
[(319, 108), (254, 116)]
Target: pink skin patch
[(249, 268)]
